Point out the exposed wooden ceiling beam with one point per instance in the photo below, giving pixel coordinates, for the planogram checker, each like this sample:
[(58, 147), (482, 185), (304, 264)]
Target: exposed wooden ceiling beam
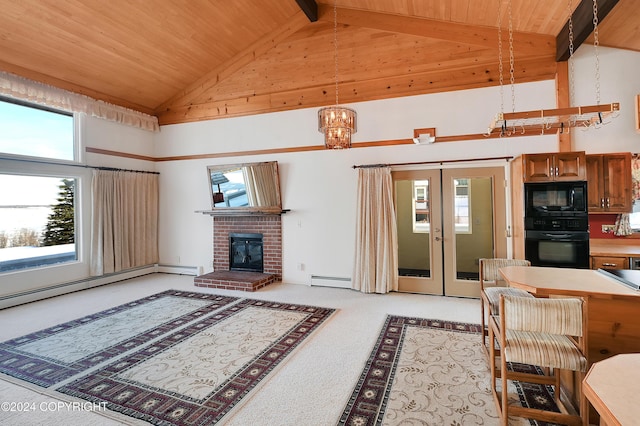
[(257, 49), (310, 8), (582, 18), (524, 43)]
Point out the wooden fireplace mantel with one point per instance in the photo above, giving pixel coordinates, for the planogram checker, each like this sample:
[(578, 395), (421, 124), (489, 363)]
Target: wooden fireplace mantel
[(243, 211)]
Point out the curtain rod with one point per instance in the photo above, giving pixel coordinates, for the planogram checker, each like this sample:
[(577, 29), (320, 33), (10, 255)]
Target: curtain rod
[(366, 166), (55, 163)]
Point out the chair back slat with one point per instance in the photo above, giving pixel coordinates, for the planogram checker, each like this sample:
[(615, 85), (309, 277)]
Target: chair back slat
[(489, 267), (553, 316)]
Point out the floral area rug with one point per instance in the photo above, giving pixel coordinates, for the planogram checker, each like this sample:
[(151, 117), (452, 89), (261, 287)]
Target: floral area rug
[(50, 356), (196, 375), (174, 358), (428, 372)]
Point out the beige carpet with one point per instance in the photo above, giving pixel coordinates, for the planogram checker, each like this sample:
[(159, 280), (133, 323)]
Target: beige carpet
[(310, 388)]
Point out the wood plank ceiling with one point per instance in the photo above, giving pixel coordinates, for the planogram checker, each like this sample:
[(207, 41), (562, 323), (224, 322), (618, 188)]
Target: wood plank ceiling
[(191, 60)]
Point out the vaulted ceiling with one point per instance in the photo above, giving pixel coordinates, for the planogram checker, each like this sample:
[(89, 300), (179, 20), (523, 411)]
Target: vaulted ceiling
[(189, 60)]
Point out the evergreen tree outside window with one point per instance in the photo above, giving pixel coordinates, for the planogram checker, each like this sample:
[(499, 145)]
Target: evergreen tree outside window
[(60, 227)]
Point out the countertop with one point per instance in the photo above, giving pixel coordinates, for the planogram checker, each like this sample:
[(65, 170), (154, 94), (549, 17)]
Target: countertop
[(544, 281), (617, 247), (612, 386)]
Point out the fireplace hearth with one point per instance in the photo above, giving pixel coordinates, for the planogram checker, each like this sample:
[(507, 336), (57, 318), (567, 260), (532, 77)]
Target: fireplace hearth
[(246, 252), (269, 227)]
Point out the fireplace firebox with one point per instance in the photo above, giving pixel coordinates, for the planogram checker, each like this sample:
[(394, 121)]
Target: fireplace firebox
[(245, 252)]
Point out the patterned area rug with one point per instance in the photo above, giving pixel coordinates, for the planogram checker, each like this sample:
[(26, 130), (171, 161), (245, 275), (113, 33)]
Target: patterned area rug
[(197, 374), (51, 356), (174, 358), (428, 372)]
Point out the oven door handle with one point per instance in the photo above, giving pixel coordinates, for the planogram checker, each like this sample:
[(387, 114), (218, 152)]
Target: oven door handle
[(558, 236)]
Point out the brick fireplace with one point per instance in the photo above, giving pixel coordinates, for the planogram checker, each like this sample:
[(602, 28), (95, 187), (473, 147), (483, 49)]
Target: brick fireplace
[(270, 226)]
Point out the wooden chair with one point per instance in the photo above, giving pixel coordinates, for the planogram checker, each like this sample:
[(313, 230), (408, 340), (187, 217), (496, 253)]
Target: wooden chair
[(490, 290), (549, 333)]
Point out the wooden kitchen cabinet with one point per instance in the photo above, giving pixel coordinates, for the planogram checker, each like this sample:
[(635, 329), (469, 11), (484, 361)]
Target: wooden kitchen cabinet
[(609, 262), (556, 166), (609, 183)]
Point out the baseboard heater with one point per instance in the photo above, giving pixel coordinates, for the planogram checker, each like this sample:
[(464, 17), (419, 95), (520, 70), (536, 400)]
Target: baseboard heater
[(69, 287), (326, 281), (180, 270)]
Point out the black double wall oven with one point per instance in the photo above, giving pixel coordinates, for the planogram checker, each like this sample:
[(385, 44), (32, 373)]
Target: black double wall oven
[(557, 224)]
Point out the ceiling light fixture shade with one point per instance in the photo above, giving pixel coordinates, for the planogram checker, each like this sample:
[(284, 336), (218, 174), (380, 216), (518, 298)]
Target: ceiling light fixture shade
[(337, 123)]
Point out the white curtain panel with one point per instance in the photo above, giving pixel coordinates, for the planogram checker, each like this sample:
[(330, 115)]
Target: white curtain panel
[(376, 262), (124, 231)]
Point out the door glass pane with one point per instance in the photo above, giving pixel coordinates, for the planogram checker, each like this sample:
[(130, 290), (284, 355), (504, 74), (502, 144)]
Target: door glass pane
[(414, 227), (473, 212)]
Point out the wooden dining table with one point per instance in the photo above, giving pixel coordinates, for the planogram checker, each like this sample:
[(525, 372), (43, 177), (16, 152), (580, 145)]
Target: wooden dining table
[(612, 308)]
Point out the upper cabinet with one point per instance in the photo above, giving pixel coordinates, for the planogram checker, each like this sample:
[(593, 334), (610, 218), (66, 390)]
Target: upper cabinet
[(609, 183), (554, 166)]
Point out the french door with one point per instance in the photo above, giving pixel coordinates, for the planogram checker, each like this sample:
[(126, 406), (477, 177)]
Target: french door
[(448, 219)]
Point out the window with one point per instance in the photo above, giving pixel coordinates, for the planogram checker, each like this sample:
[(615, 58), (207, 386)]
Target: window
[(634, 218), (37, 207), (36, 131), (37, 221), (462, 213), (422, 218), (421, 212)]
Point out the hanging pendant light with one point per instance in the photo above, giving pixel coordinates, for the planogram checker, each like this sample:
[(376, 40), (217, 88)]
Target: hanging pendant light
[(337, 123)]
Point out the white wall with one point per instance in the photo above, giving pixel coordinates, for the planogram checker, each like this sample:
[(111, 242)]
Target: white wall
[(619, 82), (320, 186), (98, 133)]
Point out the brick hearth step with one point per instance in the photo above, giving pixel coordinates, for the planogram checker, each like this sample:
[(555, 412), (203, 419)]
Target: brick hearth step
[(234, 280)]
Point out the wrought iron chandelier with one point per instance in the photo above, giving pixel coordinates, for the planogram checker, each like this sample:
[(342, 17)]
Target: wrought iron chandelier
[(337, 123)]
